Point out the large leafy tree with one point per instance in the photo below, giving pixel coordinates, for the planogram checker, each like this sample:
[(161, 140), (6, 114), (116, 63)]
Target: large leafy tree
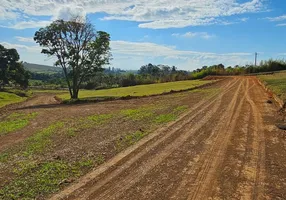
[(11, 70), (79, 49)]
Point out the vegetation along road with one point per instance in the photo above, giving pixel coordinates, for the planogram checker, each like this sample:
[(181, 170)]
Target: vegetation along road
[(216, 142)]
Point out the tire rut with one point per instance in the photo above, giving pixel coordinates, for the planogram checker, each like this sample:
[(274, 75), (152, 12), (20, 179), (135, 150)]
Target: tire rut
[(94, 185)]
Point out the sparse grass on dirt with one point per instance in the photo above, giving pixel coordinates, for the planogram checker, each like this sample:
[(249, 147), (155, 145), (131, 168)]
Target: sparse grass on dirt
[(15, 122), (277, 83), (34, 180), (140, 90), (137, 114), (56, 155)]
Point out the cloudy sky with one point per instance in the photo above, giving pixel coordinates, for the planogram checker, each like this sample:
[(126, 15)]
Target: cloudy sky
[(185, 33)]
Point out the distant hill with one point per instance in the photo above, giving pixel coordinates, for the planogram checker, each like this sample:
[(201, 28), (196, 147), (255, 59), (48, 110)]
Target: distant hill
[(45, 69)]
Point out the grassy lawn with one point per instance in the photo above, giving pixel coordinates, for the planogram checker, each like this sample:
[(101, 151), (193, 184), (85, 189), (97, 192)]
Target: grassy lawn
[(9, 98), (140, 90), (35, 91), (276, 82)]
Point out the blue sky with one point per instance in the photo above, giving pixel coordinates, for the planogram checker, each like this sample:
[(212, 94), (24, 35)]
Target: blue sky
[(184, 33)]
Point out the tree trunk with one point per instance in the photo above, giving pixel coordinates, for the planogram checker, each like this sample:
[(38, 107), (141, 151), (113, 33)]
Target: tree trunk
[(75, 93), (67, 80)]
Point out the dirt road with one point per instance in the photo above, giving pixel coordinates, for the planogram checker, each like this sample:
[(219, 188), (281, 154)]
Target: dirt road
[(217, 150)]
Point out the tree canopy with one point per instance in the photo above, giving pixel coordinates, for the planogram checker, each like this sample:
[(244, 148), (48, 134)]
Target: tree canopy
[(11, 70), (79, 49)]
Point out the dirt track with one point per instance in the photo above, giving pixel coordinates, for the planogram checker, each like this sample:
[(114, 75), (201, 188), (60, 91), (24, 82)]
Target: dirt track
[(217, 150)]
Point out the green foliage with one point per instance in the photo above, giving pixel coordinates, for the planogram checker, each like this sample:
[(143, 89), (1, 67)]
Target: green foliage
[(164, 118), (99, 119), (11, 70), (140, 90), (265, 66), (7, 98), (39, 141), (100, 159), (4, 157), (35, 180), (277, 83), (148, 74), (79, 50), (15, 122), (180, 109), (129, 140), (137, 114)]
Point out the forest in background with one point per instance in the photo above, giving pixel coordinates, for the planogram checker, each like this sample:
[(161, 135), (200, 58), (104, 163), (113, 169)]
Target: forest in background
[(149, 74)]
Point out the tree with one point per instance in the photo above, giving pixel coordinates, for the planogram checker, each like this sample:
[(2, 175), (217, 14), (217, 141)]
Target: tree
[(79, 49), (11, 70)]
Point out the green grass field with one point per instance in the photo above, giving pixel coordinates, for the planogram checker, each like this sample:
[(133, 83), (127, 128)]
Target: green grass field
[(277, 83), (140, 90), (9, 98)]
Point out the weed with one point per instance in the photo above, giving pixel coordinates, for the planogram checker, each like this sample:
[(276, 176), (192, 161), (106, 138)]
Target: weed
[(137, 114), (86, 163), (36, 180), (129, 139), (181, 109), (15, 122), (100, 159), (165, 118), (71, 132), (4, 157), (99, 119), (40, 140)]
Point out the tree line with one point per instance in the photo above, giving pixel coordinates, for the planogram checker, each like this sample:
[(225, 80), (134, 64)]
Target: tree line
[(82, 53), (264, 66)]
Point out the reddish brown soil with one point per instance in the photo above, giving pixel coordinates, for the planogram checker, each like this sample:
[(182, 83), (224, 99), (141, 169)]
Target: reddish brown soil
[(224, 148), (227, 147)]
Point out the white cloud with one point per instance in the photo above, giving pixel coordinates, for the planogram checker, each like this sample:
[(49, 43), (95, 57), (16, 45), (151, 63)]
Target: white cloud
[(281, 24), (203, 35), (244, 19), (68, 12), (27, 24), (150, 14), (24, 39), (131, 55), (187, 59), (19, 47), (276, 19)]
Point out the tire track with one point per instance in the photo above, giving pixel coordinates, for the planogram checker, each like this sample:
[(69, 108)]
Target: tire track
[(136, 175), (213, 158), (194, 168), (186, 119), (259, 150)]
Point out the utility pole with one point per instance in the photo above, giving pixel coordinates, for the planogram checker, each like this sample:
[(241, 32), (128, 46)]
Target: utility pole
[(255, 59)]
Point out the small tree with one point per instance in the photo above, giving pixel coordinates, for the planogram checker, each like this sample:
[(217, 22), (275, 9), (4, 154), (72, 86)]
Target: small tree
[(11, 70), (79, 49)]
